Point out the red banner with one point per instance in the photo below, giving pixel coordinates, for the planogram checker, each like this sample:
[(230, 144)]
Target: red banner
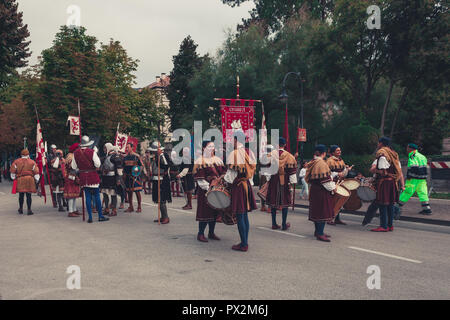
[(301, 135), (237, 116)]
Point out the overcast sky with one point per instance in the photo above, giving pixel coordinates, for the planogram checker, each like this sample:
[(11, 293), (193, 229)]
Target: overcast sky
[(150, 30)]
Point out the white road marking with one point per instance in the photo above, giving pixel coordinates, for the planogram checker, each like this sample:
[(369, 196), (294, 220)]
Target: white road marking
[(283, 232), (385, 254)]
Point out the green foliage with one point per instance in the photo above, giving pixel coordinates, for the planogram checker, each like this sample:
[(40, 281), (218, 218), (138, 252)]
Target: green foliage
[(73, 68), (362, 163), (185, 64), (13, 48), (147, 114), (361, 139)]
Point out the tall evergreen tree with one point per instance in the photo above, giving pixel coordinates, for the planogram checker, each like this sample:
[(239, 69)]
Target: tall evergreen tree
[(13, 49), (181, 98)]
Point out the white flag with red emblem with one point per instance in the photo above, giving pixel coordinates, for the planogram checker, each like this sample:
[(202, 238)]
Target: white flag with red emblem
[(40, 157), (263, 139), (74, 125), (121, 141)]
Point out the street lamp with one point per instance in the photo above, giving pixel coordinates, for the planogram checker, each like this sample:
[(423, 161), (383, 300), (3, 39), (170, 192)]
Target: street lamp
[(284, 97)]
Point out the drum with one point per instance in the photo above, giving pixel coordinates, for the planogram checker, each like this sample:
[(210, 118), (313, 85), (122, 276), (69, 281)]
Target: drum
[(367, 191), (262, 193), (354, 203), (340, 198), (228, 218), (218, 197), (351, 184)]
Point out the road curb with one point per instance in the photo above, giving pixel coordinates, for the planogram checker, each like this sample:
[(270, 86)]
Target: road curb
[(402, 218)]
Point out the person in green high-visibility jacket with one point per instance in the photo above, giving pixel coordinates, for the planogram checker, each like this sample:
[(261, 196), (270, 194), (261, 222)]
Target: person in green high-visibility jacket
[(416, 179)]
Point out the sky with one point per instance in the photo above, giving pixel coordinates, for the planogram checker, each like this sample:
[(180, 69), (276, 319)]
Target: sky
[(150, 30)]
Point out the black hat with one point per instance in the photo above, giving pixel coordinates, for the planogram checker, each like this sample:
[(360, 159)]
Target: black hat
[(333, 148), (385, 141), (321, 148)]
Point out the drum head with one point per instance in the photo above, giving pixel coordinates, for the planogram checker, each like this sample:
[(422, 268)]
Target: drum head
[(366, 194), (351, 184), (218, 200), (342, 191)]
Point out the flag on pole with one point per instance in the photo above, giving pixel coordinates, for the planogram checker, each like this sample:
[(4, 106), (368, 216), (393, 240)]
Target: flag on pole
[(286, 132), (40, 157), (263, 139), (121, 141), (74, 125)]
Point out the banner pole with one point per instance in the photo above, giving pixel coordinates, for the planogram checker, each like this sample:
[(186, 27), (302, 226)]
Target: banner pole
[(82, 189)]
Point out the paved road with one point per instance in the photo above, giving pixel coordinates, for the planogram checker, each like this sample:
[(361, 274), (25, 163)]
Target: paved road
[(130, 257)]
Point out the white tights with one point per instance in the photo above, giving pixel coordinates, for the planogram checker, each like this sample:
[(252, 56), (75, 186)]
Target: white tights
[(72, 204)]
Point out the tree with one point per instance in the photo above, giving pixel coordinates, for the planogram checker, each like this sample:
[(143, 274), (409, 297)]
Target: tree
[(185, 64), (14, 125), (13, 49), (147, 114), (275, 13)]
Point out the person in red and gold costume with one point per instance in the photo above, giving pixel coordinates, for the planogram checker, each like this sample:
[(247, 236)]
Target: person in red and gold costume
[(339, 171), (281, 184), (88, 163), (71, 183), (389, 179), (25, 172), (206, 170), (241, 165), (318, 174)]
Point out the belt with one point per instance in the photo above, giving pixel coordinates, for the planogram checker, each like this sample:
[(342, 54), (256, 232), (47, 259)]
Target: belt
[(89, 170), (25, 174)]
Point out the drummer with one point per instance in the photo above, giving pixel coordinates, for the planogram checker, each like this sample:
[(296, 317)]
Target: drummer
[(339, 171), (318, 174), (207, 168), (281, 184)]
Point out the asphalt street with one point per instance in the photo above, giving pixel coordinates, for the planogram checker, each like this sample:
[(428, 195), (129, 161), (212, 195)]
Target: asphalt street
[(131, 257)]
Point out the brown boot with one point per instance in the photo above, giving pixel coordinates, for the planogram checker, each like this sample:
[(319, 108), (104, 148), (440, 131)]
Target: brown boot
[(72, 215), (113, 213), (130, 209), (139, 210), (106, 211)]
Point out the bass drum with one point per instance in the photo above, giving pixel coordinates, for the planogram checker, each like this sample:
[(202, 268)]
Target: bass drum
[(340, 198), (354, 202), (367, 191), (351, 184)]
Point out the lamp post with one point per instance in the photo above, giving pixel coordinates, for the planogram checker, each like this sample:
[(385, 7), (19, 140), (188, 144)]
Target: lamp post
[(284, 97)]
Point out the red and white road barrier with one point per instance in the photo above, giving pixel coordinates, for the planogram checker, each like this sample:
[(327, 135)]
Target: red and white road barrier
[(440, 165)]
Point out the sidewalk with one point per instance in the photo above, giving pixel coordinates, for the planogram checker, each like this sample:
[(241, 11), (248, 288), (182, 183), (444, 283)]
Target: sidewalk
[(410, 211)]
